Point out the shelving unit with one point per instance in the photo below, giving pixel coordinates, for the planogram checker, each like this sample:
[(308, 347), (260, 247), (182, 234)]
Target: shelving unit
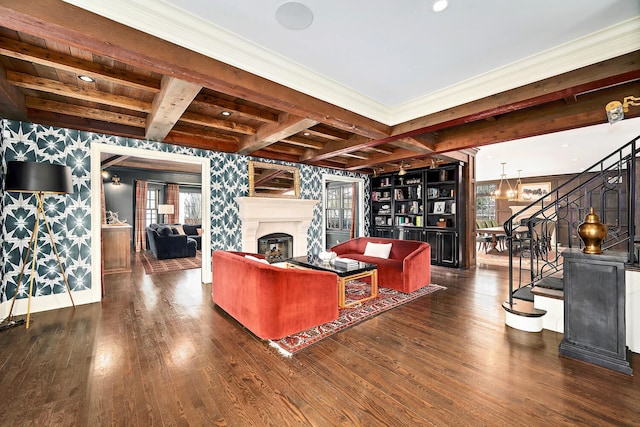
[(422, 205)]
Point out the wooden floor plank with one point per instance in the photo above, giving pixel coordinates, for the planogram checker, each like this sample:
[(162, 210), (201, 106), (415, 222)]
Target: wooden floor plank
[(157, 352)]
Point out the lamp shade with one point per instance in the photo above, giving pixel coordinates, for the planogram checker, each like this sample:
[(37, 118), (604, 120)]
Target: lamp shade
[(33, 177), (165, 209)]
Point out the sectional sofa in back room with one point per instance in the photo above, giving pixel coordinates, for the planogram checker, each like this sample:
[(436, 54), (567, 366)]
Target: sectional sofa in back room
[(165, 241)]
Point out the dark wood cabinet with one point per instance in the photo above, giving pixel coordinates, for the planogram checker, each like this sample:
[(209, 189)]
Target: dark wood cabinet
[(425, 205), (116, 248)]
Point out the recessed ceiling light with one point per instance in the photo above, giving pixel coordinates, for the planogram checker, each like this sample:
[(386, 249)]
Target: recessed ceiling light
[(306, 134), (294, 16), (226, 113), (440, 5), (87, 79)]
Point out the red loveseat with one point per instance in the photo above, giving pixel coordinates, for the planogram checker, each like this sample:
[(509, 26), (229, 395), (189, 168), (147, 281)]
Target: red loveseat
[(407, 269), (272, 302)]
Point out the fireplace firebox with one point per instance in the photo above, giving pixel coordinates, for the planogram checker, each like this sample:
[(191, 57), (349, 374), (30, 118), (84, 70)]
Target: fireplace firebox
[(276, 247)]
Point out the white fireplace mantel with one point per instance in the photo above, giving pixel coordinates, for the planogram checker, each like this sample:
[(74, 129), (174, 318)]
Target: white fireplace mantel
[(264, 215)]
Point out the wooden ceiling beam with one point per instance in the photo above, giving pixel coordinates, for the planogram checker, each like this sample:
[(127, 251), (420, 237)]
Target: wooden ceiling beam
[(397, 156), (37, 55), (336, 148), (50, 19), (413, 144), (113, 160), (227, 125), (168, 106), (241, 110), (301, 142), (86, 124), (196, 138), (607, 73), (12, 101), (85, 112), (273, 132), (588, 110), (51, 86), (328, 133)]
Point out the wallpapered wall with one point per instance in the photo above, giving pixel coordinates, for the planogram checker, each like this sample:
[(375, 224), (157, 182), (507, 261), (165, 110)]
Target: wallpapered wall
[(70, 215)]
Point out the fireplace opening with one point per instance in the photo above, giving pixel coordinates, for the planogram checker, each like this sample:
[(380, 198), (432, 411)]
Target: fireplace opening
[(276, 247)]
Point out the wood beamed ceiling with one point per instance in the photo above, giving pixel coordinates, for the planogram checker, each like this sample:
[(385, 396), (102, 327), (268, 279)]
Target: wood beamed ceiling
[(147, 88)]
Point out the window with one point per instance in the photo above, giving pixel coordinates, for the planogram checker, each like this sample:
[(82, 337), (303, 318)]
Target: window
[(339, 206), (151, 215), (485, 202), (190, 207)]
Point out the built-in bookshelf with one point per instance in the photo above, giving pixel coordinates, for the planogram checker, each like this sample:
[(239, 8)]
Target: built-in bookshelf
[(422, 204)]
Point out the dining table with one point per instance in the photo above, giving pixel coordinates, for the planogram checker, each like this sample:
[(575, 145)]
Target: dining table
[(495, 232)]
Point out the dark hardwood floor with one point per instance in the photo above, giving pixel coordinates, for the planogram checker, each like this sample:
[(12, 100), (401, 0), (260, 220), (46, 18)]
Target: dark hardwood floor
[(157, 352)]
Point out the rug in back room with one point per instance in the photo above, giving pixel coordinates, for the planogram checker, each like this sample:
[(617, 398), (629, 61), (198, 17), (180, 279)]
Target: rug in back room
[(152, 265), (347, 317)]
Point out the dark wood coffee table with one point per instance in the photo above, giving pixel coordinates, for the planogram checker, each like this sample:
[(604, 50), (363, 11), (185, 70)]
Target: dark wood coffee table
[(362, 270)]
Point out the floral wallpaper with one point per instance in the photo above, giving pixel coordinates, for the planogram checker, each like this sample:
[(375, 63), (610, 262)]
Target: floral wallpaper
[(69, 216)]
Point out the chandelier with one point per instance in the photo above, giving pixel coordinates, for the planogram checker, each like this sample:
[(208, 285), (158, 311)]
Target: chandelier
[(508, 192)]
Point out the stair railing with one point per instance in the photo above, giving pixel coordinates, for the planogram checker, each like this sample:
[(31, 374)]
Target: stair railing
[(609, 186)]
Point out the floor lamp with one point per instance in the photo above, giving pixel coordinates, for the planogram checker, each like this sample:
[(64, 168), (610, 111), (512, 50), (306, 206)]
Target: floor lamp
[(38, 178)]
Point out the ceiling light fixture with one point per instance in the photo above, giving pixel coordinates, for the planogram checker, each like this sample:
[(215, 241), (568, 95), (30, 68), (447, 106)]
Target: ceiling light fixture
[(306, 134), (115, 179), (294, 16), (440, 5), (105, 174), (506, 194), (225, 113), (518, 185), (616, 109), (87, 79)]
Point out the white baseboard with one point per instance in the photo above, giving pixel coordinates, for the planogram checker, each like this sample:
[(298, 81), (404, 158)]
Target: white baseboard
[(47, 302)]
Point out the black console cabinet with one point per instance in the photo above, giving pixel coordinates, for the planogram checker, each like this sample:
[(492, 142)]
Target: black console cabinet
[(594, 309)]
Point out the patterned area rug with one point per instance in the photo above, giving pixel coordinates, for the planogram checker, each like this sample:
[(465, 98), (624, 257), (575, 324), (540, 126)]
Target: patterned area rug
[(152, 265), (347, 317)]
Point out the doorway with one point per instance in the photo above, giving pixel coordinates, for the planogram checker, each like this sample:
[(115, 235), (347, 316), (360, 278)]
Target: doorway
[(343, 213), (96, 204)]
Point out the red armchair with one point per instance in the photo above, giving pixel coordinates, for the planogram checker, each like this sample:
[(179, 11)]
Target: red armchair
[(407, 269)]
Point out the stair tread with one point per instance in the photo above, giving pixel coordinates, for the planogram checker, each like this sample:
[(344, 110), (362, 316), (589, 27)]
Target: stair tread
[(548, 292), (551, 283), (523, 308), (523, 294)]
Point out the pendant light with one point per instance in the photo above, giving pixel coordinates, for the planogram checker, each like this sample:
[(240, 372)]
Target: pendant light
[(518, 185), (508, 192)]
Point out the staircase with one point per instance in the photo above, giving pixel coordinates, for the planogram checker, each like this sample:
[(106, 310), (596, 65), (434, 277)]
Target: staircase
[(535, 244)]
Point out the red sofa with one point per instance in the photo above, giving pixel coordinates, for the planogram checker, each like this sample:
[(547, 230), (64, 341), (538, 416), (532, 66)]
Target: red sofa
[(272, 302), (408, 267)]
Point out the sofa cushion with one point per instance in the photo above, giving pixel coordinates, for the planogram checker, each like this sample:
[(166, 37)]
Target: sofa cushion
[(191, 229), (165, 231), (379, 250)]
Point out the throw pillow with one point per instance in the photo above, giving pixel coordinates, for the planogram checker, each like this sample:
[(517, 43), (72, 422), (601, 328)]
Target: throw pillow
[(199, 231), (180, 230), (378, 250), (165, 231), (264, 261)]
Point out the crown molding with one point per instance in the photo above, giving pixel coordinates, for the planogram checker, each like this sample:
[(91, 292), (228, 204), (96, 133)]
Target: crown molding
[(179, 27), (606, 44)]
